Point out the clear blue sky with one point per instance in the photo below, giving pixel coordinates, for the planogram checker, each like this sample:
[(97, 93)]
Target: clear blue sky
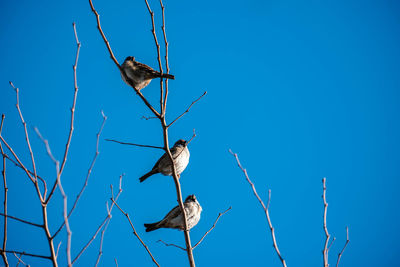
[(300, 91)]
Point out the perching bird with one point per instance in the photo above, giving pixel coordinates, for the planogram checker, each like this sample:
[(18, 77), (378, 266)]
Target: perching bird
[(180, 154), (139, 75), (174, 218)]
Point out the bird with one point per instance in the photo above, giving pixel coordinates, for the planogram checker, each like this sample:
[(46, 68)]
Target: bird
[(139, 75), (180, 154), (174, 218)]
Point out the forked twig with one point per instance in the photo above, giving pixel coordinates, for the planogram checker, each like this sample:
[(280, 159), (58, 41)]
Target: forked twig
[(266, 208), (212, 227), (345, 245), (87, 175), (71, 129), (171, 245), (187, 110), (134, 231), (106, 219)]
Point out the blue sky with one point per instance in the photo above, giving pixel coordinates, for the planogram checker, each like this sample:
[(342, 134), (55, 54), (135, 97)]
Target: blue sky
[(300, 90)]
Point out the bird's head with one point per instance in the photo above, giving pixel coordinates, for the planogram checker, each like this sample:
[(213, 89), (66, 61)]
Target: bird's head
[(191, 198), (130, 58), (180, 142)]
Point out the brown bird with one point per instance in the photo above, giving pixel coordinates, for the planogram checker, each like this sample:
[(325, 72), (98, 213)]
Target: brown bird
[(139, 75), (180, 154), (174, 218)]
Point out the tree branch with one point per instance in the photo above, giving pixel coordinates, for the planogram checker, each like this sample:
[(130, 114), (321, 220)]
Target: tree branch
[(134, 231), (3, 172), (325, 250), (116, 62), (64, 196), (171, 245), (88, 173), (272, 229), (345, 245), (132, 144), (27, 254), (74, 67), (106, 219), (5, 215), (212, 227), (187, 110)]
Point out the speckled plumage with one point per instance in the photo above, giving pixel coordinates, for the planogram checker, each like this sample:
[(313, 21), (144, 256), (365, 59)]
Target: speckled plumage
[(180, 154), (139, 75), (174, 218)]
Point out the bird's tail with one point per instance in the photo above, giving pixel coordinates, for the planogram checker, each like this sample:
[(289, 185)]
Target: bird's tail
[(151, 226), (168, 76), (147, 175)]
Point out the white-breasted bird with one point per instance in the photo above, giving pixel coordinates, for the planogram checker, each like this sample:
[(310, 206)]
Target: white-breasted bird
[(180, 154), (139, 75), (174, 218)]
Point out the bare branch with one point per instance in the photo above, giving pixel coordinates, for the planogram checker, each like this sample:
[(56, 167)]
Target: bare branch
[(158, 57), (20, 260), (325, 250), (193, 136), (116, 62), (171, 245), (88, 173), (148, 118), (58, 248), (3, 172), (65, 200), (74, 67), (212, 227), (103, 35), (134, 231), (132, 144), (333, 240), (106, 219), (188, 109), (116, 262), (20, 220), (164, 108), (28, 143), (272, 229), (27, 254), (345, 245)]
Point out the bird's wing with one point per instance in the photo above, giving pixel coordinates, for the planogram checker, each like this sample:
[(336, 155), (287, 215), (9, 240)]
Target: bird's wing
[(175, 212), (159, 161), (145, 68)]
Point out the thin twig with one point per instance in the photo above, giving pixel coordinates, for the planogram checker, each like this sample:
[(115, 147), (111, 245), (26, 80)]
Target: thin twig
[(64, 196), (330, 245), (325, 250), (345, 245), (212, 227), (266, 209), (28, 143), (58, 248), (171, 245), (164, 108), (147, 103), (106, 219), (21, 220), (116, 262), (132, 144), (193, 136), (20, 260), (3, 172), (188, 109), (71, 130), (27, 254), (158, 57), (134, 231), (148, 118), (88, 173)]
